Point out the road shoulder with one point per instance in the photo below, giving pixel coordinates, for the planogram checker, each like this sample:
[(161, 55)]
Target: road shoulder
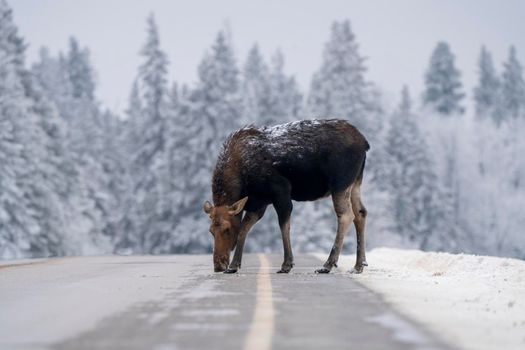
[(473, 301)]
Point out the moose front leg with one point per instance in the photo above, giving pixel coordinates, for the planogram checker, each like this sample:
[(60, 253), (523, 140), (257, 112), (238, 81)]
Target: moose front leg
[(345, 216), (284, 208), (250, 219)]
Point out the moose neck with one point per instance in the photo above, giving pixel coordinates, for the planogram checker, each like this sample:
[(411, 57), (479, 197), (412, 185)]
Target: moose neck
[(225, 186)]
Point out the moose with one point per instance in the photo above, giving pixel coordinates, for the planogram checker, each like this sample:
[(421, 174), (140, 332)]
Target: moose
[(302, 161)]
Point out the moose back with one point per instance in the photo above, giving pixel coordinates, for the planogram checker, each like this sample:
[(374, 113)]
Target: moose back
[(302, 161)]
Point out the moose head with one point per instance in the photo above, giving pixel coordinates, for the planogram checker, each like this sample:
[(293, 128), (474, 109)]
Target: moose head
[(225, 225)]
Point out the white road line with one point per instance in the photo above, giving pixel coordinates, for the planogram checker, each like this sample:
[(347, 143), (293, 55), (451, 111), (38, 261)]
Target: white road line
[(261, 330)]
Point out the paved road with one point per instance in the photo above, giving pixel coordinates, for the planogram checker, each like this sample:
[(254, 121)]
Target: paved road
[(176, 302)]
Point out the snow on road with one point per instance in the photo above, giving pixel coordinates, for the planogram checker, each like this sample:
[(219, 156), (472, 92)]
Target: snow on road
[(469, 301)]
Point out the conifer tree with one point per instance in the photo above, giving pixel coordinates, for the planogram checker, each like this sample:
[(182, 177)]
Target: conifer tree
[(147, 119), (206, 115), (216, 104), (217, 90), (126, 239), (285, 98), (87, 138), (153, 86), (487, 92), (513, 86), (339, 88), (269, 95), (75, 148), (44, 181), (80, 71), (52, 76), (17, 224), (443, 88), (187, 233), (413, 182), (255, 88)]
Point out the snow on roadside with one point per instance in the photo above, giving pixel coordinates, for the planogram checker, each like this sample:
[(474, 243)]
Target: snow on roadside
[(468, 301)]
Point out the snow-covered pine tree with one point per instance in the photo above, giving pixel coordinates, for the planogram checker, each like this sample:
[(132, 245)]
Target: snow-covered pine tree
[(52, 76), (87, 139), (217, 93), (170, 185), (513, 87), (148, 152), (443, 95), (80, 71), (126, 238), (113, 161), (43, 182), (342, 67), (339, 88), (285, 98), (68, 81), (420, 209), (34, 179), (443, 89), (17, 224), (188, 225), (216, 104), (44, 179), (81, 110), (487, 92), (255, 88), (209, 113), (493, 210), (269, 95), (134, 112), (15, 239), (70, 148), (153, 85)]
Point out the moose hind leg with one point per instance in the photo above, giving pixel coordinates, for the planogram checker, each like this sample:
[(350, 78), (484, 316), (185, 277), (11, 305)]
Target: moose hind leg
[(360, 213), (345, 216), (284, 207)]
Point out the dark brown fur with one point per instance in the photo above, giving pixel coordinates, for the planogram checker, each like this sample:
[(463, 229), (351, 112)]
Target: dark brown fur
[(302, 161)]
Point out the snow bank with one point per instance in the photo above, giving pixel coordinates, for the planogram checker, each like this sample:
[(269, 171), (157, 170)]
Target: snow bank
[(469, 301)]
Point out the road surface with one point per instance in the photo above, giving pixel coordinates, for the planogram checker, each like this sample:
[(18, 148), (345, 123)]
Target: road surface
[(177, 302)]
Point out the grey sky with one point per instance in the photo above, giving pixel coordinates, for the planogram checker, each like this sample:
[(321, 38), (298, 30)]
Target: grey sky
[(396, 36)]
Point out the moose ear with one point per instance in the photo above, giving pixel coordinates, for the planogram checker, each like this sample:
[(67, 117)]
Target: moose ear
[(207, 207), (237, 207)]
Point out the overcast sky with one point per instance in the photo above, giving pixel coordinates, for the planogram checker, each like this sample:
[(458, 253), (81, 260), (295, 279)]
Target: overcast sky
[(397, 37)]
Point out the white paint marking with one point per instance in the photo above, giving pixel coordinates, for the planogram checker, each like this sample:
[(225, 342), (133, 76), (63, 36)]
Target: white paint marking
[(261, 330)]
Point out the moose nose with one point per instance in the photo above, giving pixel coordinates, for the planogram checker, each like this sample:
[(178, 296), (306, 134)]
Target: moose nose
[(220, 263), (220, 268)]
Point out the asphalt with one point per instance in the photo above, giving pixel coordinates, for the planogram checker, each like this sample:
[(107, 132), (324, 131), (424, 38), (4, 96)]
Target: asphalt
[(177, 302)]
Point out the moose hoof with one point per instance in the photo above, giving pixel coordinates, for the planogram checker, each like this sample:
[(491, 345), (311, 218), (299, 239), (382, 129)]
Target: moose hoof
[(285, 269), (230, 270), (322, 270), (357, 269)]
